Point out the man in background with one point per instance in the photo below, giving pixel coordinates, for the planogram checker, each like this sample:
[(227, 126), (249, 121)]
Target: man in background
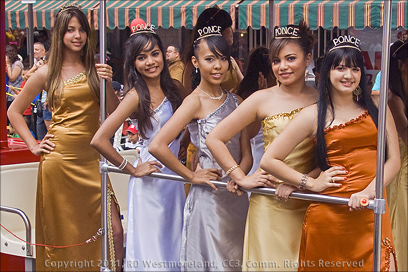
[(176, 66)]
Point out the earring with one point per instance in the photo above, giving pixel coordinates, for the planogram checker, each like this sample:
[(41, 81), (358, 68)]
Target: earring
[(357, 92), (277, 83), (196, 70)]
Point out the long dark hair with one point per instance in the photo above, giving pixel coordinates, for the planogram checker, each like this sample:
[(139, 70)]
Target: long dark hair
[(258, 61), (399, 51), (136, 44), (218, 46), (352, 58)]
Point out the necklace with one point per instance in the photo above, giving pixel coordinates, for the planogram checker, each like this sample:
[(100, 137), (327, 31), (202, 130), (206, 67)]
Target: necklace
[(212, 97)]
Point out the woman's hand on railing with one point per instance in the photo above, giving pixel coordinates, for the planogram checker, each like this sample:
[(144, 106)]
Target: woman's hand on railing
[(146, 168), (284, 190), (257, 179), (204, 176)]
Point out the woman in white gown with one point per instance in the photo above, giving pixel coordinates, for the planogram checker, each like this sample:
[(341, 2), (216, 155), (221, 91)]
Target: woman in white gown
[(155, 209)]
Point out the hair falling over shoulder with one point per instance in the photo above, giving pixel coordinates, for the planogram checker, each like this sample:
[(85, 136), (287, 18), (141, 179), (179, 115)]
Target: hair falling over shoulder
[(54, 80), (351, 58), (133, 80)]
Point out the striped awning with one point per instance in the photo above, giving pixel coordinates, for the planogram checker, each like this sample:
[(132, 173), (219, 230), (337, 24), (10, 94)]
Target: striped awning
[(161, 13), (254, 13), (325, 13)]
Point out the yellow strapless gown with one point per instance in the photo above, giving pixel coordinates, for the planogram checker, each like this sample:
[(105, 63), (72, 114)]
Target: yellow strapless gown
[(397, 195), (274, 227), (69, 186)]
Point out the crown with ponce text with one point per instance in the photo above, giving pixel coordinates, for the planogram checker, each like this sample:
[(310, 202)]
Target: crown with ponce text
[(345, 41), (287, 32), (208, 31), (138, 26)]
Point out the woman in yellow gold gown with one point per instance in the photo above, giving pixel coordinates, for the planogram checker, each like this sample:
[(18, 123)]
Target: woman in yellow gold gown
[(68, 208), (397, 190)]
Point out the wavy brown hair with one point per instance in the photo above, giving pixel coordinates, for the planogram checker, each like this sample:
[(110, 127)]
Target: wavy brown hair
[(54, 85)]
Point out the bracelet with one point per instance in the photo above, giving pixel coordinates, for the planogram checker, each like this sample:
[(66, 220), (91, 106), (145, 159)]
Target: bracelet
[(231, 169), (303, 180), (123, 164)]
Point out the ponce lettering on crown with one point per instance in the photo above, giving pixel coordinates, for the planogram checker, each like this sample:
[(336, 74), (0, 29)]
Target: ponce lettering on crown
[(142, 27), (346, 39), (292, 31), (209, 30)]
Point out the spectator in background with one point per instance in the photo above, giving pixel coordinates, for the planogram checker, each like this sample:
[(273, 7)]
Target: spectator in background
[(14, 68), (377, 85), (176, 66), (39, 57), (132, 141)]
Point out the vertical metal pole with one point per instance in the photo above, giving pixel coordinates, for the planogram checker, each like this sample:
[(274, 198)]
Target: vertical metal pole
[(102, 51), (30, 36), (381, 136), (271, 18)]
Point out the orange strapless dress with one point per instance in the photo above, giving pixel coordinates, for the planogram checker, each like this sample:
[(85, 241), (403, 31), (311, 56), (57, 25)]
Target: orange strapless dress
[(333, 238)]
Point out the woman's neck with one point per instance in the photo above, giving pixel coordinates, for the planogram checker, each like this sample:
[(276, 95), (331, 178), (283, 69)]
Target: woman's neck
[(211, 89), (295, 88), (71, 58), (153, 83)]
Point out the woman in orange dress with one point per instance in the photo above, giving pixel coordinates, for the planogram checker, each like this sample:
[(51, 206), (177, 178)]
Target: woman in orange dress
[(344, 126)]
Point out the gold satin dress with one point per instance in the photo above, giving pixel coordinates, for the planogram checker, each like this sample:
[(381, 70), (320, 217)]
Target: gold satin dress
[(333, 238), (274, 227), (68, 208), (397, 195)]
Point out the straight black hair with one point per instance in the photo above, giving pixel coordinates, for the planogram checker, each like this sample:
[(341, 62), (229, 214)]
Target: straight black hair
[(352, 58)]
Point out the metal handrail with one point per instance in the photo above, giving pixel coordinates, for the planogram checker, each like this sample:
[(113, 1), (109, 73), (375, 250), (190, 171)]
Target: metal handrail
[(27, 223), (266, 191)]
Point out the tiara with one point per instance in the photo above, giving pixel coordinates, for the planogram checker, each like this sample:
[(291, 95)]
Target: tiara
[(404, 40), (142, 28), (346, 41), (287, 32), (209, 31), (69, 6)]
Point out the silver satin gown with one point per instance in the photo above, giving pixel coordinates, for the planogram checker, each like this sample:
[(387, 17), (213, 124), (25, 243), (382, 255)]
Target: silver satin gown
[(155, 211), (214, 221)]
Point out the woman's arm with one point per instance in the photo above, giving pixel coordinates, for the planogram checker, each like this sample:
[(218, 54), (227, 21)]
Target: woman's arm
[(246, 153), (245, 114), (300, 128), (159, 147), (15, 113), (398, 111), (112, 101), (391, 166), (13, 73), (101, 139)]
